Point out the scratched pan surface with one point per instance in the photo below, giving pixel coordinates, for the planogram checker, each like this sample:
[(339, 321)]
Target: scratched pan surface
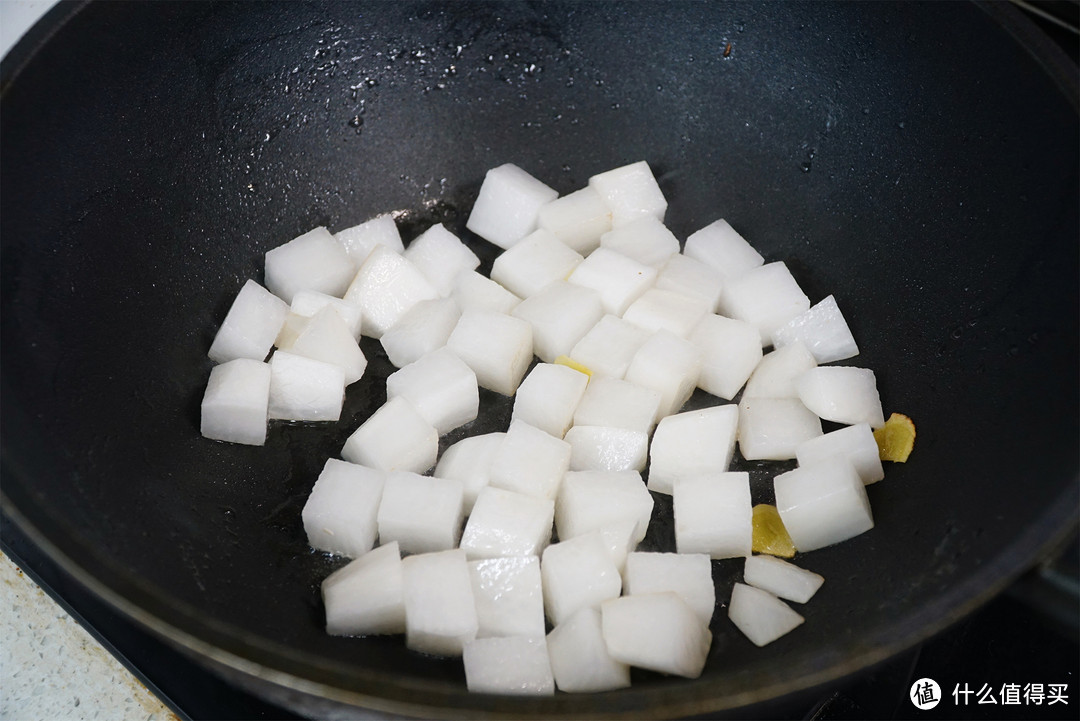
[(152, 153)]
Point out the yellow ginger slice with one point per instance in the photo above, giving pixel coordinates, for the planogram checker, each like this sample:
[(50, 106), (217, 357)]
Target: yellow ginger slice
[(896, 438), (770, 536)]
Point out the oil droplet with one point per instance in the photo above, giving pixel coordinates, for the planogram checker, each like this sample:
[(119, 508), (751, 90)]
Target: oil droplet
[(957, 332), (357, 123)]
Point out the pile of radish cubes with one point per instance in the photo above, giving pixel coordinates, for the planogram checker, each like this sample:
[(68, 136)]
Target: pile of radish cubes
[(456, 551)]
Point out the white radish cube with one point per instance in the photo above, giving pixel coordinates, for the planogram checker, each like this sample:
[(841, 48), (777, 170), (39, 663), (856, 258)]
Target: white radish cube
[(856, 443), (823, 331), (291, 329), (235, 403), (667, 310), (770, 429), (687, 574), (781, 578), (691, 443), (505, 523), (713, 514), (609, 346), (508, 205), (251, 326), (577, 220), (668, 364), (618, 279), (594, 500), (692, 277), (440, 255), (509, 598), (307, 303), (656, 631), (775, 375), (580, 660), (720, 247), (305, 389), (440, 610), (548, 397), (474, 291), (842, 394), (602, 448), (385, 287), (577, 573), (823, 503), (631, 192), (423, 514), (366, 596), (420, 330), (732, 350), (560, 315), (530, 461), (617, 403), (768, 297), (761, 616), (312, 261), (512, 665), (359, 240), (620, 540), (341, 514), (498, 347), (469, 461), (395, 438), (326, 337), (440, 387), (535, 261), (646, 240)]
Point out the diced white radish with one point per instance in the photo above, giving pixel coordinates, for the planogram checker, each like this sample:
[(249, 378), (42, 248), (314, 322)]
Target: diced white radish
[(341, 514), (469, 461), (577, 219), (656, 631), (506, 523), (530, 461), (577, 573), (631, 192), (719, 246), (536, 260), (595, 500), (366, 596), (395, 438), (770, 429), (560, 315), (385, 287), (509, 598), (603, 448), (620, 540), (420, 330), (305, 389), (291, 329), (617, 403), (496, 346), (312, 261), (823, 331), (669, 364), (474, 291), (713, 514), (856, 443), (359, 240), (440, 610), (326, 337), (548, 397), (580, 660), (768, 297), (691, 443), (667, 310), (422, 513), (441, 387), (251, 326), (781, 578), (512, 665), (646, 240), (508, 204), (618, 279), (234, 405), (609, 346), (823, 503), (842, 394), (692, 277), (761, 616), (775, 375), (440, 255), (732, 350), (687, 574), (307, 303)]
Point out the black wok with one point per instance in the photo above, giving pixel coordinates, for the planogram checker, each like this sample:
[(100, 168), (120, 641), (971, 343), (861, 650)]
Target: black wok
[(919, 161)]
